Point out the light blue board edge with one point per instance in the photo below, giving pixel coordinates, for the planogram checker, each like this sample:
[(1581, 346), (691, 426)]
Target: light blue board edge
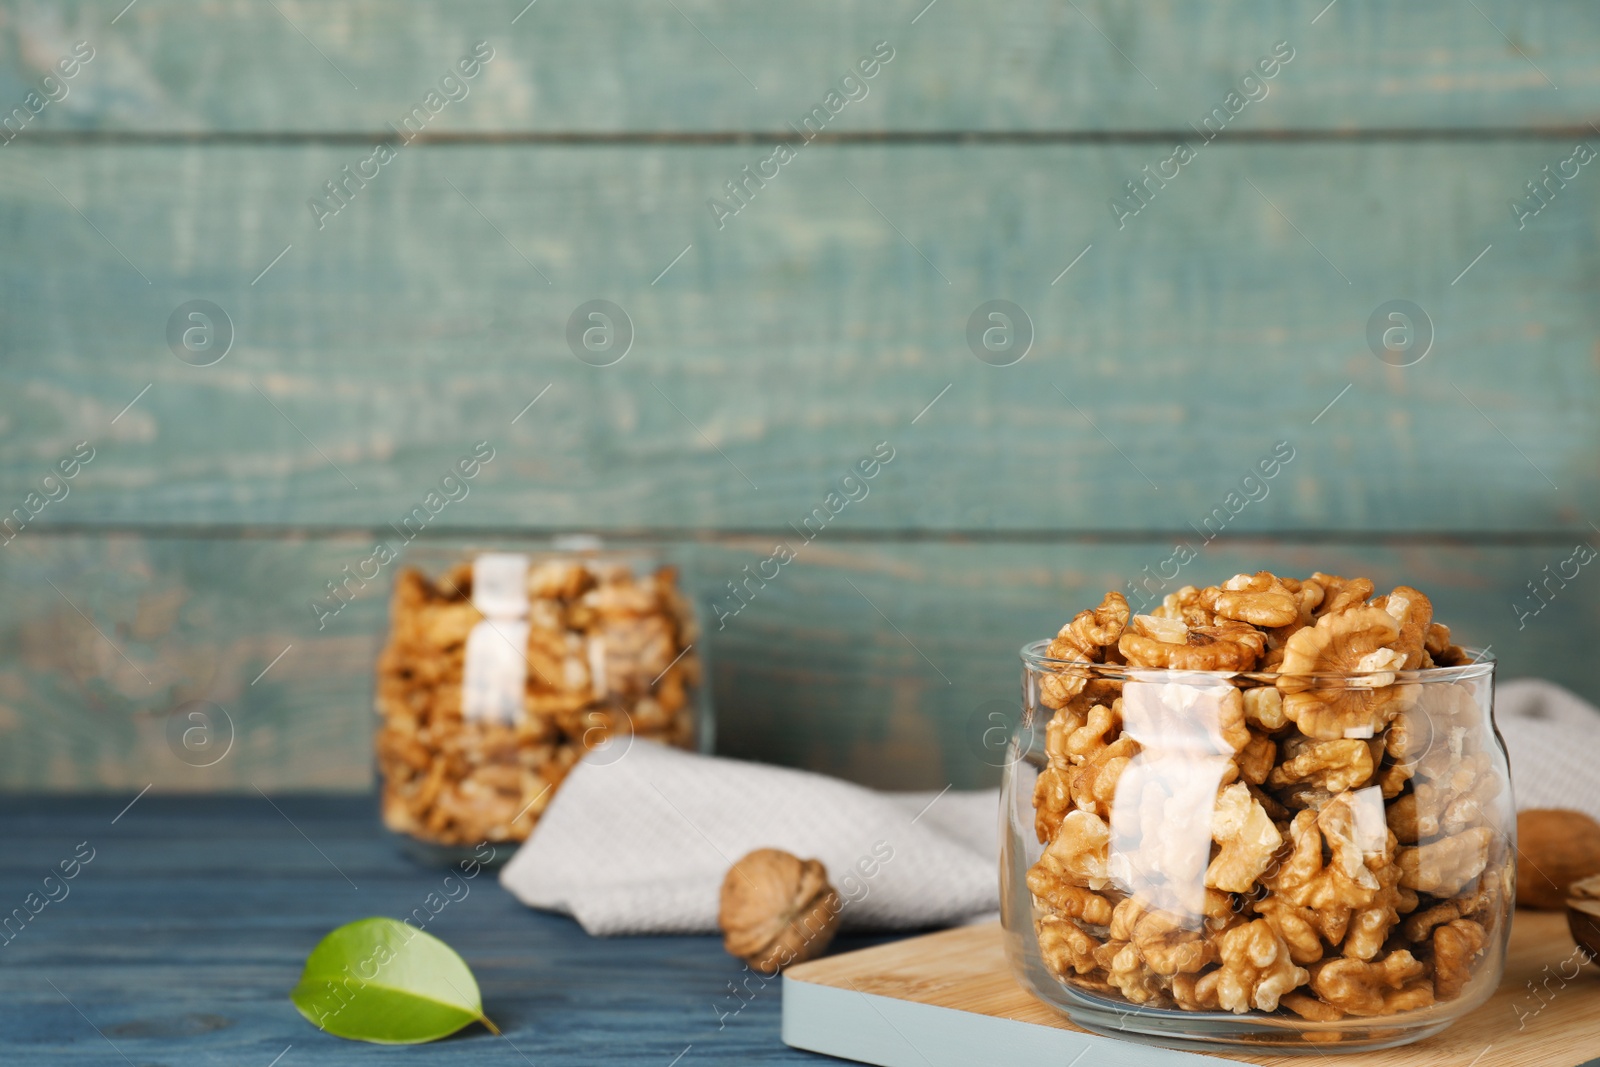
[(887, 1032)]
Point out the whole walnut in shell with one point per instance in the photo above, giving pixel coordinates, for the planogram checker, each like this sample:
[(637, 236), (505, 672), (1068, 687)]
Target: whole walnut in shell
[(1555, 847), (777, 909)]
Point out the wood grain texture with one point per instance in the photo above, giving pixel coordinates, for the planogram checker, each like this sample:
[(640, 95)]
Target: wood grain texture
[(824, 318), (623, 65), (181, 939), (965, 971), (772, 352), (875, 662)]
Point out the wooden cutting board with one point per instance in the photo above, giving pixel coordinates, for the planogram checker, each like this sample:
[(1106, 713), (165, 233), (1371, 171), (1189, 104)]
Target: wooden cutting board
[(950, 998)]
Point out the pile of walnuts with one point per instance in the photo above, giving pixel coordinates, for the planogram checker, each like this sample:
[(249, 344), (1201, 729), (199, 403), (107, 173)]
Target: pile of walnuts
[(1279, 835), (607, 653)]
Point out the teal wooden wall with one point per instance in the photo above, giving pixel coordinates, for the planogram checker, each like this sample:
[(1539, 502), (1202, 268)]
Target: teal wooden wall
[(775, 350)]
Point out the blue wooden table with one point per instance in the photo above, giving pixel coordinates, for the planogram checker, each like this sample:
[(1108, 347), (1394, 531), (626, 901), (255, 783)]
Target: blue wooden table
[(178, 941)]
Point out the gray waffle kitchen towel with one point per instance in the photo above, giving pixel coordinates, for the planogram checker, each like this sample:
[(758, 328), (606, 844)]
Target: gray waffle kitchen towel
[(1553, 736), (639, 843)]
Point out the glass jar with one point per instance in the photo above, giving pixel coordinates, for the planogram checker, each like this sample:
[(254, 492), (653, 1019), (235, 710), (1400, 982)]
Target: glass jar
[(1181, 865), (503, 669)]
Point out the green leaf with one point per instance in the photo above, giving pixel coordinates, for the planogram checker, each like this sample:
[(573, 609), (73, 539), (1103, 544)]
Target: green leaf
[(383, 981)]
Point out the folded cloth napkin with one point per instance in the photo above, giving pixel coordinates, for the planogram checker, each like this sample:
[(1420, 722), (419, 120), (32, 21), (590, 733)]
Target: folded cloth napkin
[(1553, 736), (639, 843)]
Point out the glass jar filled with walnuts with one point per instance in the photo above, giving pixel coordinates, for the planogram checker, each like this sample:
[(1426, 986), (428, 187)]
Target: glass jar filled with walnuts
[(503, 669), (1269, 813)]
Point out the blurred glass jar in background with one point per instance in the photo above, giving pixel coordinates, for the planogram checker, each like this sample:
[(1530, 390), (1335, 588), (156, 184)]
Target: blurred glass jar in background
[(1182, 865), (505, 669)]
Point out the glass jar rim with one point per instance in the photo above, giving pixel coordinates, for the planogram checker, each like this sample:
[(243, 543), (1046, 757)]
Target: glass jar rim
[(1482, 666)]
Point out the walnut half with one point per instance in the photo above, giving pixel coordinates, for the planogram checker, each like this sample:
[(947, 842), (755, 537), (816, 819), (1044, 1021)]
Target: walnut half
[(777, 909)]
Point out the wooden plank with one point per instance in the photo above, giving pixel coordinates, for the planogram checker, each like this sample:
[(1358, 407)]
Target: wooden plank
[(829, 315), (612, 66), (955, 991), (869, 661), (190, 964)]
